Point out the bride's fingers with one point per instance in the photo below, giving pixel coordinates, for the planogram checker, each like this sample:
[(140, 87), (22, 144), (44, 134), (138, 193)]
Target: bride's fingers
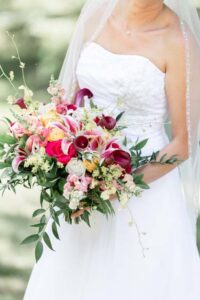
[(112, 197), (79, 212)]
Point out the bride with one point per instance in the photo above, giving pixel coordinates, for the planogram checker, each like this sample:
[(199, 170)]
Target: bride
[(141, 57)]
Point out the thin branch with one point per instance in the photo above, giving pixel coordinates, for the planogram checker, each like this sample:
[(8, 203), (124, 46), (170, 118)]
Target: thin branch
[(8, 78), (18, 58)]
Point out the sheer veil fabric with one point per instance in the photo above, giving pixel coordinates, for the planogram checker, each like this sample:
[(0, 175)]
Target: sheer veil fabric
[(93, 17)]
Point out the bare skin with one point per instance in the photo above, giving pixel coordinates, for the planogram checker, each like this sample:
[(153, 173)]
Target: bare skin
[(155, 34)]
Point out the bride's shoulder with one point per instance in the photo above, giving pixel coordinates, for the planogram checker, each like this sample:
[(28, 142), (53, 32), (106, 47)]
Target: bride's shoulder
[(173, 35)]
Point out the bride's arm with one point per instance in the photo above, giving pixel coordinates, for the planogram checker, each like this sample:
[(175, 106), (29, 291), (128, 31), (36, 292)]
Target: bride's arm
[(176, 94)]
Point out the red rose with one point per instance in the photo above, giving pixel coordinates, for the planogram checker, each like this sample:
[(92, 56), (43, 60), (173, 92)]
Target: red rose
[(106, 122), (54, 149), (121, 158)]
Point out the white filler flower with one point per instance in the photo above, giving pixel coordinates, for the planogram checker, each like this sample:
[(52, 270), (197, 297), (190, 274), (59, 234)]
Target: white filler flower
[(76, 167)]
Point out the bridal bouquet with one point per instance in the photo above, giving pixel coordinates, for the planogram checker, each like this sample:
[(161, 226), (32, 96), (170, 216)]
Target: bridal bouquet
[(78, 156)]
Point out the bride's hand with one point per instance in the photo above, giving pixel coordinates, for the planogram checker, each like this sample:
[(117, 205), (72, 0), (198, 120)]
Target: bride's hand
[(78, 213), (113, 197)]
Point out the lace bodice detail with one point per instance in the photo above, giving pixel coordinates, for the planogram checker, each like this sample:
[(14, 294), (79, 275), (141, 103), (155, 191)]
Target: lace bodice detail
[(130, 83)]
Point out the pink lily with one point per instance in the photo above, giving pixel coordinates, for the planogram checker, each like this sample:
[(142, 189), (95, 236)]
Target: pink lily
[(95, 143), (73, 126), (60, 126), (34, 143), (65, 146), (17, 161), (111, 147)]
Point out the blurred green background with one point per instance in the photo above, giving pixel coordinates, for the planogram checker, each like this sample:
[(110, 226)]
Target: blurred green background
[(42, 31)]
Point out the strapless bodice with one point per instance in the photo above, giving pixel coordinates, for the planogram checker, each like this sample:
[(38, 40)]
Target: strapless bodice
[(130, 83)]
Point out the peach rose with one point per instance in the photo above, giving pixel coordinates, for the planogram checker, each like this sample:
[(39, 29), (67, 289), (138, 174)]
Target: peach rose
[(55, 134), (49, 117)]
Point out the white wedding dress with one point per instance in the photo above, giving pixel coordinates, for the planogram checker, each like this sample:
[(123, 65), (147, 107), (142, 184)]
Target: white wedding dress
[(106, 261)]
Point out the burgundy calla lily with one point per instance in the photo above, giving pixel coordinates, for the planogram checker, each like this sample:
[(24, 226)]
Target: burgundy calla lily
[(120, 157), (81, 94), (106, 122), (81, 143), (21, 103)]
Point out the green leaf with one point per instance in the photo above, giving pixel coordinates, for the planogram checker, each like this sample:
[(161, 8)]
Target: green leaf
[(85, 217), (7, 139), (38, 212), (30, 239), (55, 231), (50, 183), (61, 184), (41, 199), (141, 144), (43, 219), (68, 218), (172, 159), (43, 222), (111, 209), (46, 196), (119, 128), (138, 178), (125, 141), (47, 240), (143, 186), (7, 119), (53, 171), (38, 251), (38, 225), (4, 165), (163, 157), (54, 215), (119, 116), (92, 105)]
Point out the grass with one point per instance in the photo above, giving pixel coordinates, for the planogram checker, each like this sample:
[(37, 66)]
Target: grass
[(16, 261)]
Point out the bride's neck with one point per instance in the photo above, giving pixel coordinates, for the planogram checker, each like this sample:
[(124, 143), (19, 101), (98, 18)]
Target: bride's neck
[(139, 12)]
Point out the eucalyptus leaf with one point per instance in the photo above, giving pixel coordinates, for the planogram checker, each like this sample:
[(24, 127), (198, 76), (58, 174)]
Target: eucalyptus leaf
[(38, 225), (85, 217), (47, 240), (143, 186), (38, 212), (46, 196), (141, 144), (30, 239), (55, 231), (38, 250)]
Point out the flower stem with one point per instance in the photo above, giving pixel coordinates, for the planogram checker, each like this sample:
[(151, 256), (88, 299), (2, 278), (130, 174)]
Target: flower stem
[(7, 77), (18, 58)]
